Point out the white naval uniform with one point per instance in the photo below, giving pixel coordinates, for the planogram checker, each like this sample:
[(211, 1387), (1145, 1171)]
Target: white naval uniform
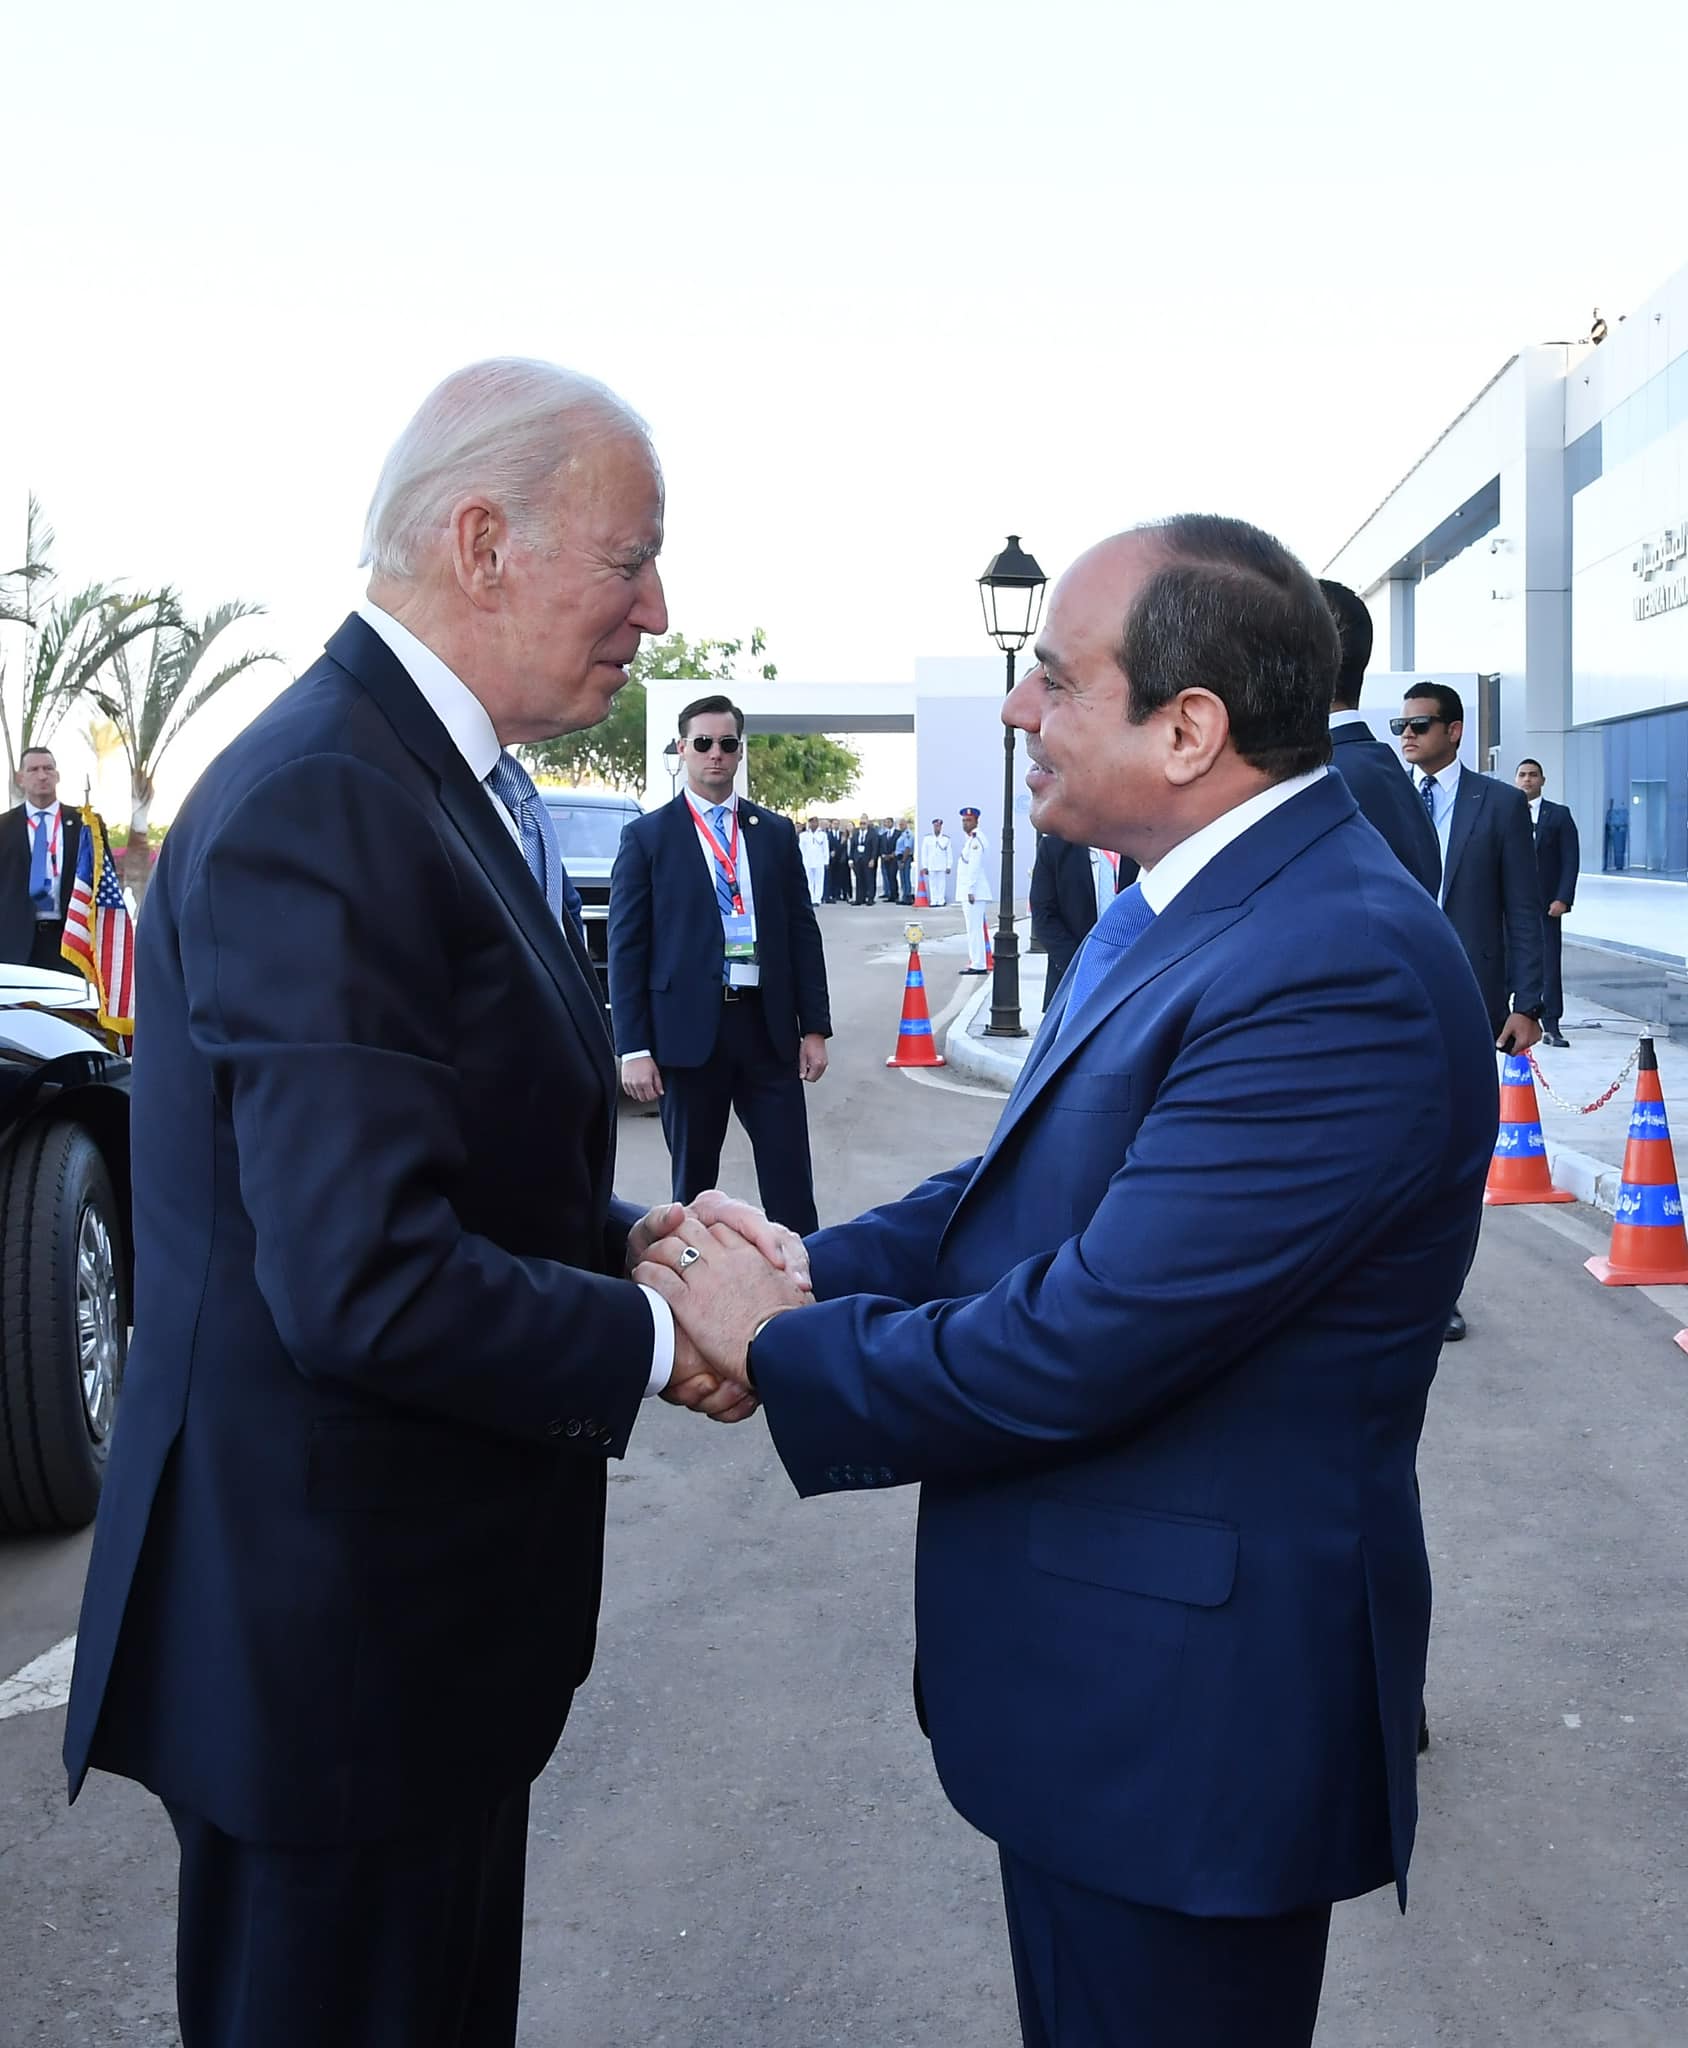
[(815, 851), (936, 859), (973, 886)]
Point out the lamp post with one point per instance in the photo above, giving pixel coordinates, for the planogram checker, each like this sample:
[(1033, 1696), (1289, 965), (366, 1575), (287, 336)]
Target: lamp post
[(1011, 591)]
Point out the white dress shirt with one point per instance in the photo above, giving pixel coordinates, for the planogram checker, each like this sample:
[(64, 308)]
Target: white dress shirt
[(1535, 812), (1179, 868), (740, 973), (465, 719), (1446, 790), (1349, 716), (1104, 878)]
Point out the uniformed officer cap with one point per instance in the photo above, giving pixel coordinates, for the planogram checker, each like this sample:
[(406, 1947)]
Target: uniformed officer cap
[(968, 811)]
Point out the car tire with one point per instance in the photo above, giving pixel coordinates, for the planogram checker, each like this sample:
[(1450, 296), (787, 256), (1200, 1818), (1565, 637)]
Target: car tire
[(63, 1327)]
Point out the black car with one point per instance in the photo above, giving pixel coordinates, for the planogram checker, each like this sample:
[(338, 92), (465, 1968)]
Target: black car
[(65, 1238), (589, 825)]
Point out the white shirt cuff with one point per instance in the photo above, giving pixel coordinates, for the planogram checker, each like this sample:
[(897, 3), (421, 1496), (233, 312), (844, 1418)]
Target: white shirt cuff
[(662, 1341), (625, 1057)]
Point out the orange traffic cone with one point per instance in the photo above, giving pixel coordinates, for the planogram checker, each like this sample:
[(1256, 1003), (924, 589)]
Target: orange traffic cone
[(1518, 1172), (990, 956), (1649, 1248), (921, 900), (916, 1046)]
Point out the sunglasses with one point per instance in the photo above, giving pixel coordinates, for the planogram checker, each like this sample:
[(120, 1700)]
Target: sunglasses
[(1420, 725), (703, 741)]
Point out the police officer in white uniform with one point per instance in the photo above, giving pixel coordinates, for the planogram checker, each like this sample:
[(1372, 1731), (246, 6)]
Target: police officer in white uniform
[(813, 846), (937, 860), (973, 885)]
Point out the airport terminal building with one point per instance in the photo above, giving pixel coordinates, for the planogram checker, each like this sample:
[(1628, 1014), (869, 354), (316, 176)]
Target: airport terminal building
[(1542, 542)]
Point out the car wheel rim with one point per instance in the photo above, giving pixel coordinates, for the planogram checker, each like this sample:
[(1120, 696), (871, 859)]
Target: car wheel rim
[(96, 1321)]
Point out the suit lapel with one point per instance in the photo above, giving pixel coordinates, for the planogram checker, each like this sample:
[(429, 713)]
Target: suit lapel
[(470, 809), (1468, 801)]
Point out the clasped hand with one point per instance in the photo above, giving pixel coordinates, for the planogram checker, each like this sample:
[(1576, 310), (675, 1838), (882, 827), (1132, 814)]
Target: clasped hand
[(722, 1267)]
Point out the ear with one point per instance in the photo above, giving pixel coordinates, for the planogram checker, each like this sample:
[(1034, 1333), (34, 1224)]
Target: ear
[(1197, 732), (479, 551), (1456, 727)]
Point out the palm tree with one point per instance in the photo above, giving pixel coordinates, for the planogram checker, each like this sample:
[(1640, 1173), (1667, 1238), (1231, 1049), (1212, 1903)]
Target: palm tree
[(66, 642), (151, 710)]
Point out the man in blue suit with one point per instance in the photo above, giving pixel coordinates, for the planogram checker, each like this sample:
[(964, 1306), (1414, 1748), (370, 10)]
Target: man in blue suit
[(1373, 772), (1558, 864), (1159, 1358), (717, 974), (346, 1572)]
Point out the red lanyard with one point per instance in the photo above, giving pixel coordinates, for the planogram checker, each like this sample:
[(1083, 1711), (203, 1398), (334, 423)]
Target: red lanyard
[(727, 856), (53, 843)]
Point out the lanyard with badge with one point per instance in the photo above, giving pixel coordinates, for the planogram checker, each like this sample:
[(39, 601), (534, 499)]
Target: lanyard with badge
[(738, 927)]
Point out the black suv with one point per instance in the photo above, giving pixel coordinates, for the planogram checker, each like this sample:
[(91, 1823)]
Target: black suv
[(65, 1262), (589, 827)]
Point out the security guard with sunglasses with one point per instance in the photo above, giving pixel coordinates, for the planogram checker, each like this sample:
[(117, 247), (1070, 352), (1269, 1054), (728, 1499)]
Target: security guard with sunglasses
[(717, 975)]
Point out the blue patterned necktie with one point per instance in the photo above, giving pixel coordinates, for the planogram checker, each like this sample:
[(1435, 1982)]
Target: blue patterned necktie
[(41, 891), (718, 816), (513, 786), (1428, 789), (1118, 929)]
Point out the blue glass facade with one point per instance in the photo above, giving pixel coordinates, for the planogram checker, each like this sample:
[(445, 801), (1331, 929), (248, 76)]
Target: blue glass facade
[(1647, 795)]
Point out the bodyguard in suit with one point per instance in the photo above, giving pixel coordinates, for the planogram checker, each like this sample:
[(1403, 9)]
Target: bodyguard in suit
[(1373, 771), (864, 858), (1071, 887), (717, 974), (39, 845), (345, 1575), (1558, 863), (1489, 883), (1159, 1359)]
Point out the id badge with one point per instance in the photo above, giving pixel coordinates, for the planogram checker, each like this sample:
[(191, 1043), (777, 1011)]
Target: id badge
[(740, 931)]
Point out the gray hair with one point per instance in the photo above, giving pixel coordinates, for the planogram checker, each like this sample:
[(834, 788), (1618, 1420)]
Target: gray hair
[(505, 427)]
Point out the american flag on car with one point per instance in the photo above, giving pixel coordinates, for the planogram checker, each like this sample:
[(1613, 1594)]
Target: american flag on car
[(98, 935)]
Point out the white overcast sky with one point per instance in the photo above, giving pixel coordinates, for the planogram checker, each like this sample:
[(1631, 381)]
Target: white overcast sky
[(888, 280)]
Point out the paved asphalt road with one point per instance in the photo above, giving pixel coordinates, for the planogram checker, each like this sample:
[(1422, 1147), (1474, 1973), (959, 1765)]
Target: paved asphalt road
[(741, 1842)]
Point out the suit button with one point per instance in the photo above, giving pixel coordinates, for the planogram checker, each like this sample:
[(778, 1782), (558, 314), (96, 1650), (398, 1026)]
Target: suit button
[(833, 1476), (593, 1426), (553, 1429), (573, 1429)]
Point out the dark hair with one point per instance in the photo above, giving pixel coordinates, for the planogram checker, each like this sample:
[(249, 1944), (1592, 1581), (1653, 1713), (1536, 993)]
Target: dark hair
[(709, 706), (1232, 611), (1530, 761), (1447, 700), (1354, 630), (24, 756)]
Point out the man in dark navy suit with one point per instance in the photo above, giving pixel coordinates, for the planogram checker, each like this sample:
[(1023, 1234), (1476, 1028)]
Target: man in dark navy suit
[(1558, 863), (1159, 1359), (717, 973), (1071, 886), (39, 845), (346, 1572), (1373, 772), (1489, 883)]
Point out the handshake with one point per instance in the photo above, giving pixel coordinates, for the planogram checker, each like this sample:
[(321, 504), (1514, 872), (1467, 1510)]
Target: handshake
[(724, 1269)]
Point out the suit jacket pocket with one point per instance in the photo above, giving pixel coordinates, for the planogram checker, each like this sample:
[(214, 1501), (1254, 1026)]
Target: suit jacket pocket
[(1166, 1557), (1092, 1093)]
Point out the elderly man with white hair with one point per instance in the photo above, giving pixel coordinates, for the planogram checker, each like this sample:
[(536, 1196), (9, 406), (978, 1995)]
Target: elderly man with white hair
[(345, 1579)]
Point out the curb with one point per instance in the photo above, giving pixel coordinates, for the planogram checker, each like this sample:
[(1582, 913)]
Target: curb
[(1591, 1180)]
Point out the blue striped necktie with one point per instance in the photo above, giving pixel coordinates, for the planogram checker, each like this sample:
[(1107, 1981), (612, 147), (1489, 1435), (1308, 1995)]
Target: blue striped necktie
[(723, 888), (513, 786), (1116, 931)]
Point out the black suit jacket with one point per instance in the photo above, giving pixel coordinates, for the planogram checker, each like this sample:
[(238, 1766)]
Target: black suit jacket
[(1492, 893), (346, 1570), (1384, 791), (1063, 901), (864, 843), (17, 912), (667, 948), (1558, 854)]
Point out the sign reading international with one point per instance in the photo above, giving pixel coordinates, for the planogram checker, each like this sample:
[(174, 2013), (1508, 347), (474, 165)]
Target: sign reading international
[(1654, 561)]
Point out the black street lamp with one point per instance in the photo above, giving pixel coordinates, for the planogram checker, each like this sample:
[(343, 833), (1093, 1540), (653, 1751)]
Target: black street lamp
[(1011, 591)]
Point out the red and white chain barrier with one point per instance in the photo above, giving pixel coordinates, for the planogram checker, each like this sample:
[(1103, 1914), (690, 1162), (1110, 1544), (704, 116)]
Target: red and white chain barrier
[(1600, 1101)]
